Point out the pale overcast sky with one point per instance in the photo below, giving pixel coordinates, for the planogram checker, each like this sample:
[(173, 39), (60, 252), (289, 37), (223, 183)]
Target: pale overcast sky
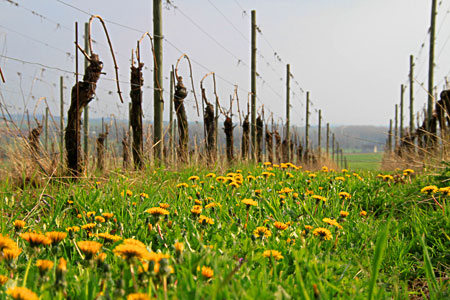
[(352, 55)]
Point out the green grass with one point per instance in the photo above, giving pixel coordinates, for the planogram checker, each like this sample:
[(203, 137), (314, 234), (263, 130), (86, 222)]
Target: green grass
[(364, 161), (399, 249)]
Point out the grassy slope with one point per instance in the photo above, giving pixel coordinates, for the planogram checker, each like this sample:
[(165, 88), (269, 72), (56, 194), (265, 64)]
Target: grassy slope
[(340, 268), (364, 161)]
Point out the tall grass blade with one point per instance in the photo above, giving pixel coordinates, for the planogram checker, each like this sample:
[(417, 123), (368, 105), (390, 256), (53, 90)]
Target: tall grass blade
[(431, 278), (377, 259)]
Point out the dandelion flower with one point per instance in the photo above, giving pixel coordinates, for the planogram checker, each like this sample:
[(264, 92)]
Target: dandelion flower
[(22, 293), (363, 213), (249, 202), (44, 265), (6, 243), (323, 233), (73, 229), (273, 253), (193, 178), (107, 216), (319, 198), (134, 242), (89, 248), (210, 175), (36, 239), (280, 225), (407, 172), (164, 205), (88, 226), (143, 195), (127, 251), (11, 253), (100, 219), (90, 214), (157, 211), (182, 185), (109, 237), (213, 204), (345, 195), (62, 265), (308, 227), (196, 210), (138, 296), (339, 178), (56, 237), (19, 224), (3, 280), (207, 272), (332, 222), (343, 213), (127, 193), (179, 247), (431, 189), (262, 232), (205, 220)]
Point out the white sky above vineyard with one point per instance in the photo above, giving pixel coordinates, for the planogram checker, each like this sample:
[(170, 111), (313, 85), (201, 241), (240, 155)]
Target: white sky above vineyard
[(352, 55)]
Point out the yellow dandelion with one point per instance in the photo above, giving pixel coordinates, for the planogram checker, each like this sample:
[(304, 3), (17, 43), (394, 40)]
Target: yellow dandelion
[(363, 213), (262, 232), (234, 184), (196, 210), (210, 175), (143, 195), (345, 195), (109, 237), (323, 233), (207, 272), (343, 214), (44, 265), (408, 172), (36, 239), (56, 237), (88, 226), (6, 243), (89, 248), (431, 189), (62, 265), (73, 229), (3, 280), (138, 296), (205, 220), (249, 202), (157, 211), (332, 222), (134, 242), (100, 219), (127, 252), (182, 185), (193, 178), (179, 247), (308, 227), (107, 216), (319, 198), (10, 254), (164, 205), (339, 178), (19, 224), (213, 204), (22, 293), (273, 253), (280, 225), (90, 214)]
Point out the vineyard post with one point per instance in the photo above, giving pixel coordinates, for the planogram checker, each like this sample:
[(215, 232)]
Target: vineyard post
[(77, 96), (319, 144), (411, 94), (389, 145), (158, 79), (216, 129), (402, 94), (342, 159), (307, 124), (130, 138), (345, 162), (46, 129), (396, 127), (337, 153), (332, 146), (171, 147), (288, 75), (431, 66), (61, 119), (328, 139), (86, 109), (253, 84)]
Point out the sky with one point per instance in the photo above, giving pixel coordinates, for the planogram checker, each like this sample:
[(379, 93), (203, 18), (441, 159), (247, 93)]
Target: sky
[(351, 55)]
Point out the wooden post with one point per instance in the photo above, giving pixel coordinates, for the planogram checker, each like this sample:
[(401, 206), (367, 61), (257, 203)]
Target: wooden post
[(328, 139), (389, 145), (253, 84), (431, 65), (287, 138), (46, 130), (86, 108), (158, 103), (342, 158), (61, 120), (171, 137), (411, 94), (332, 147), (396, 127), (402, 93), (307, 125), (319, 137), (337, 153)]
